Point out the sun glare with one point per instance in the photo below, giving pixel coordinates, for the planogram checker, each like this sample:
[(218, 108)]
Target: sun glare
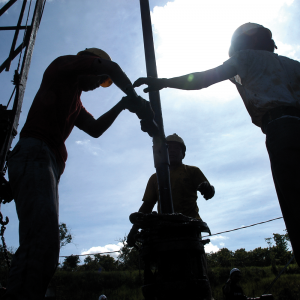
[(194, 35)]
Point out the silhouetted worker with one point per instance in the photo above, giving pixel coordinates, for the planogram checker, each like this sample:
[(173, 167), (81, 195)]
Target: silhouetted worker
[(269, 85), (38, 160), (185, 180), (232, 290)]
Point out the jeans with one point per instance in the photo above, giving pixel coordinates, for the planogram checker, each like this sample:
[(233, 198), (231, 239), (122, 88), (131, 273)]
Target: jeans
[(34, 177), (283, 145)]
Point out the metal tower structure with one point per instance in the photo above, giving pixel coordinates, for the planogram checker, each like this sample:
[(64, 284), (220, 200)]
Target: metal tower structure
[(9, 118)]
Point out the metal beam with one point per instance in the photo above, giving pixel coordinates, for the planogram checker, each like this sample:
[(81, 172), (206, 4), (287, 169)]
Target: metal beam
[(18, 50), (12, 27), (13, 45), (6, 6), (160, 151), (15, 113)]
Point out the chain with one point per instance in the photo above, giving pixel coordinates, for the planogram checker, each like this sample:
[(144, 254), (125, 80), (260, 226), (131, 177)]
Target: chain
[(3, 223)]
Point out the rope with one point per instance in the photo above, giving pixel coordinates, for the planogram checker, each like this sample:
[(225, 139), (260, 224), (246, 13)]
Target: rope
[(243, 227), (203, 236)]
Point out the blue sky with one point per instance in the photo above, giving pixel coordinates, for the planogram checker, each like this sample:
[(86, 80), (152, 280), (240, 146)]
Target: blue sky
[(105, 178)]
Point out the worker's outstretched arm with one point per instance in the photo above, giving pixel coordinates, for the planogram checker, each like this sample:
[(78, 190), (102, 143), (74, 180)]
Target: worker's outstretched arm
[(96, 127), (193, 81)]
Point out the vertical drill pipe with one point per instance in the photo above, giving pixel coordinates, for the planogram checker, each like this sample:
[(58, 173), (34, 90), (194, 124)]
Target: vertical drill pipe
[(160, 151)]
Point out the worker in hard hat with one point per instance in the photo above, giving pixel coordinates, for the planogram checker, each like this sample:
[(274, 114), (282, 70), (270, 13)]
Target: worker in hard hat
[(38, 160), (269, 86), (232, 289), (185, 181)]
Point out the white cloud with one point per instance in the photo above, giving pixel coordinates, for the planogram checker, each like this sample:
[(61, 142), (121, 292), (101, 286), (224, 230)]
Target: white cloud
[(222, 244), (106, 248), (89, 147), (292, 51), (218, 237), (211, 248)]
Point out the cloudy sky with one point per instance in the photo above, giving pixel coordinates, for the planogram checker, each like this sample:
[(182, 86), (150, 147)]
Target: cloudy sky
[(105, 178)]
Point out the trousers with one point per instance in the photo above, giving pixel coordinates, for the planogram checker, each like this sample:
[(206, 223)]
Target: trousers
[(283, 145), (34, 178)]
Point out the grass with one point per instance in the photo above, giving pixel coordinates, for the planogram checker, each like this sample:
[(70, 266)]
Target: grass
[(126, 285)]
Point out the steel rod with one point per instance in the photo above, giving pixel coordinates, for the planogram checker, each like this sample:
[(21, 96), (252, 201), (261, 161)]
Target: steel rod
[(160, 151)]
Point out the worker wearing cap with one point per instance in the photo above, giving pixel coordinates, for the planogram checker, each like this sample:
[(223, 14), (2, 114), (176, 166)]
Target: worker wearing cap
[(269, 85), (232, 289), (38, 160), (185, 180)]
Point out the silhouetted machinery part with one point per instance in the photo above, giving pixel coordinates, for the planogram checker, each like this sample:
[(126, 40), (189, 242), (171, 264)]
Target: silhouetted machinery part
[(172, 251)]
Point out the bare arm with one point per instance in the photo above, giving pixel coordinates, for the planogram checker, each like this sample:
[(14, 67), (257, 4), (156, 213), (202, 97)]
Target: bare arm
[(193, 81), (96, 128)]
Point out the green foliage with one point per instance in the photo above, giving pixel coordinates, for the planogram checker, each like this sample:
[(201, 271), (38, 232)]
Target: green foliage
[(100, 263), (71, 263), (65, 235), (256, 280), (277, 254), (129, 258), (90, 285)]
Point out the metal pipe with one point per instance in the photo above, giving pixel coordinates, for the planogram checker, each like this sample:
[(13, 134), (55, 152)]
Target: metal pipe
[(160, 150)]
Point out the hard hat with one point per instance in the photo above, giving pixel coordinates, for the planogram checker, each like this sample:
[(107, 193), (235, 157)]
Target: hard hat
[(102, 297), (245, 29), (234, 270), (102, 54), (176, 138)]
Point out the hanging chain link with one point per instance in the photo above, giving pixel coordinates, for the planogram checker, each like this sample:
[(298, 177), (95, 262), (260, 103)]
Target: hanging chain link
[(4, 247)]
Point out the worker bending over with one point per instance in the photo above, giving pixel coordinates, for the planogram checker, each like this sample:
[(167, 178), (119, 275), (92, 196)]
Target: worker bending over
[(269, 85), (38, 160)]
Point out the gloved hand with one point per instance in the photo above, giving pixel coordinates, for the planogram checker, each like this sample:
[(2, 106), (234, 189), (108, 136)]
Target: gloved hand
[(149, 126), (154, 84), (206, 190), (141, 107), (131, 236)]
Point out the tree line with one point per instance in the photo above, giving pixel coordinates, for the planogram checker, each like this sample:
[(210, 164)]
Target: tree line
[(277, 253)]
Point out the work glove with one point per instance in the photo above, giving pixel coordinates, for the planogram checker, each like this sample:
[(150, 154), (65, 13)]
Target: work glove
[(131, 236), (206, 190), (141, 107), (154, 84)]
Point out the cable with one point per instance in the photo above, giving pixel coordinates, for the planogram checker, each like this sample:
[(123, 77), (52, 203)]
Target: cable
[(202, 237), (243, 227)]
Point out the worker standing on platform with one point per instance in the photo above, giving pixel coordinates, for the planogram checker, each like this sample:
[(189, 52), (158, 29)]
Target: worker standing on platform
[(38, 160), (185, 180), (269, 85)]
